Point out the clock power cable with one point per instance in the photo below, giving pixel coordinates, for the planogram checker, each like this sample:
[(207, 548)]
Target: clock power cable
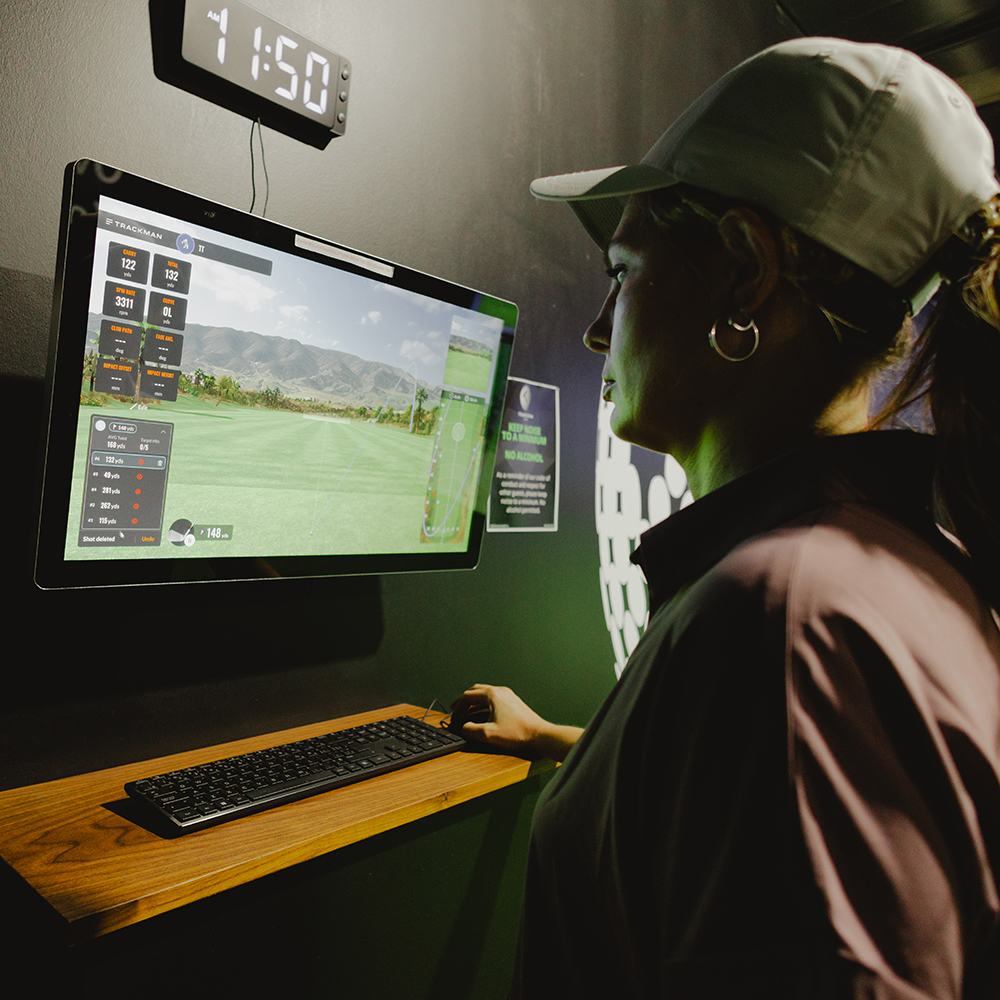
[(263, 163)]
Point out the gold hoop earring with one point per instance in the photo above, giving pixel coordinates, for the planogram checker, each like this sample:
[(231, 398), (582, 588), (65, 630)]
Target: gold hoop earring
[(749, 325)]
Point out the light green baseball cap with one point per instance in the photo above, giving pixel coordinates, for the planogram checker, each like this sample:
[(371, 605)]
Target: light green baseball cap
[(866, 148)]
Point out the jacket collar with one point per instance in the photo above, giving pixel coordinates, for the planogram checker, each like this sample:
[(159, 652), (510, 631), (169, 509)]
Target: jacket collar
[(891, 470)]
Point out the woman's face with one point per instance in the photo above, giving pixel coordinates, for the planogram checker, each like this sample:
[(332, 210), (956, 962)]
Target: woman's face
[(660, 371)]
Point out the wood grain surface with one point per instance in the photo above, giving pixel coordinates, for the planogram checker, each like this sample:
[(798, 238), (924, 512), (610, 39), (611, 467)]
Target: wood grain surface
[(100, 871)]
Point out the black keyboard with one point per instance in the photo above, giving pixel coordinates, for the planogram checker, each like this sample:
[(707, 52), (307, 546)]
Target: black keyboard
[(200, 796)]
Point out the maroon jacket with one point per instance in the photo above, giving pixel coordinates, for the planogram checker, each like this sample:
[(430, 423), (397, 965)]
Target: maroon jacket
[(794, 789)]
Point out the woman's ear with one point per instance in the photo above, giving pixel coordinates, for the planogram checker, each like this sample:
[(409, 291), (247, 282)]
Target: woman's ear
[(750, 240)]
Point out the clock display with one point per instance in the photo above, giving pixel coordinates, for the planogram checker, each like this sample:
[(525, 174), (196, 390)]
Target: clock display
[(235, 56), (256, 52)]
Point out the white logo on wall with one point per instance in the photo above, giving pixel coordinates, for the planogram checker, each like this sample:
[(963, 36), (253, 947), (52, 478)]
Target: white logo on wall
[(525, 396), (618, 507)]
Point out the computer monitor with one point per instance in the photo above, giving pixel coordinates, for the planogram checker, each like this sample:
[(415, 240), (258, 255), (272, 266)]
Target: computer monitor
[(231, 399)]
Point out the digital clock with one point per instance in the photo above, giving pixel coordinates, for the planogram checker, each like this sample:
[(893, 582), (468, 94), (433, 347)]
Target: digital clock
[(233, 55)]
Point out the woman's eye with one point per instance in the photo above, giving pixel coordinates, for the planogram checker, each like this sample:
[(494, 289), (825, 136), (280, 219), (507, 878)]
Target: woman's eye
[(616, 273)]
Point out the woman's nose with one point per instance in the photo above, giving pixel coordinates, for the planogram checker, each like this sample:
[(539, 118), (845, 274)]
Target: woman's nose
[(598, 335)]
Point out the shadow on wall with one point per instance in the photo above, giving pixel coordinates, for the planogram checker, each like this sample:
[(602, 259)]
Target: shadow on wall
[(145, 637), (25, 309)]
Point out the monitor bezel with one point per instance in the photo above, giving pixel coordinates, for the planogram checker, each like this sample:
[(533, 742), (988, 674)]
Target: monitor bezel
[(84, 182)]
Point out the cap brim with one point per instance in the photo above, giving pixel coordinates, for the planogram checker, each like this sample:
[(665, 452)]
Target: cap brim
[(598, 196)]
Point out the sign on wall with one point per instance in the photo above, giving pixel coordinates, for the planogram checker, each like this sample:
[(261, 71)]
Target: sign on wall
[(525, 491)]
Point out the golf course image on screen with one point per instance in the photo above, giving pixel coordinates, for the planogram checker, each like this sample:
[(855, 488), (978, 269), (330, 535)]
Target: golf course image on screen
[(236, 400)]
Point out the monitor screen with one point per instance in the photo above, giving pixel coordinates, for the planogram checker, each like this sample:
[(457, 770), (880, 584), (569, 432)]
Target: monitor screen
[(231, 399)]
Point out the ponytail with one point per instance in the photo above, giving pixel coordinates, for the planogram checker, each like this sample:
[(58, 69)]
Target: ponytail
[(956, 370)]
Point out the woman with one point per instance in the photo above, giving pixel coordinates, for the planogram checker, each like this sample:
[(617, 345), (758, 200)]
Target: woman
[(794, 789)]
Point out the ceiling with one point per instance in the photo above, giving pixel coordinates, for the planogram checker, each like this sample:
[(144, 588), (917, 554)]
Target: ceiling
[(961, 37)]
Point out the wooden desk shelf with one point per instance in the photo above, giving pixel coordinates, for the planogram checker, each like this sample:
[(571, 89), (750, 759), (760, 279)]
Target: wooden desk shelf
[(99, 871)]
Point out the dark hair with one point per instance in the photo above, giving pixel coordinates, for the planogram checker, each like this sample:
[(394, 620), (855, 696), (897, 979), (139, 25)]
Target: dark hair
[(954, 358), (868, 317), (954, 369)]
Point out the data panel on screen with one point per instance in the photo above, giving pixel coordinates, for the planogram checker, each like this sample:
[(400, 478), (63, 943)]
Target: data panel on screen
[(228, 391)]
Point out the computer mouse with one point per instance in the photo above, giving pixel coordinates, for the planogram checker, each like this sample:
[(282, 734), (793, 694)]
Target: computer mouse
[(474, 713)]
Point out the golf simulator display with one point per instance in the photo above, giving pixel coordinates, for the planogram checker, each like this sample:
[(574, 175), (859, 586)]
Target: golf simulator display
[(233, 399)]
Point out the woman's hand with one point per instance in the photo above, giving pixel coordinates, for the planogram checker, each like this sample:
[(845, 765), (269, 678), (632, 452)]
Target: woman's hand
[(512, 725)]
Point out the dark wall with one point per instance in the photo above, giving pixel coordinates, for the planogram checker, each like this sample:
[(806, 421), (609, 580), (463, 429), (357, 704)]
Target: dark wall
[(455, 107)]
